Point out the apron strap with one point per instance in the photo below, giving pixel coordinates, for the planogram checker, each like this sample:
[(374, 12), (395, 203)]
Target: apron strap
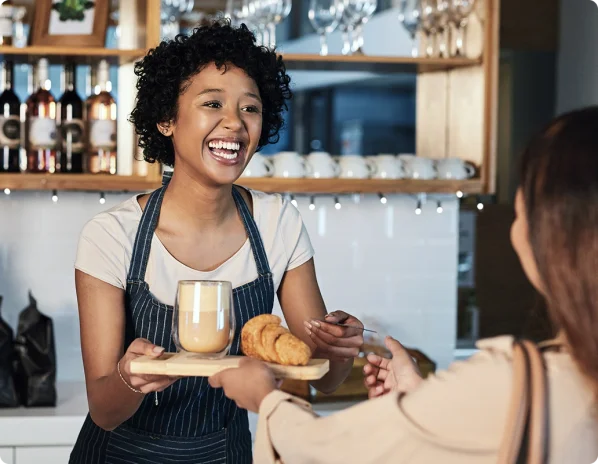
[(149, 221), (253, 233), (145, 231)]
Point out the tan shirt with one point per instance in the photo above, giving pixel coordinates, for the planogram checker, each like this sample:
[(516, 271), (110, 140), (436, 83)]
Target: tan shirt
[(454, 417)]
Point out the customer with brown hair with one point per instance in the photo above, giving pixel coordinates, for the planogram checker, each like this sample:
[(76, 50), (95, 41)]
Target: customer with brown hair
[(460, 415)]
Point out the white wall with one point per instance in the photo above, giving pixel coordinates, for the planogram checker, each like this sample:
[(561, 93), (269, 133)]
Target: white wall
[(381, 262), (578, 55)]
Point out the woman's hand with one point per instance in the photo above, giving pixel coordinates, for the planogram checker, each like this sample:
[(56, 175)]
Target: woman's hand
[(144, 382), (398, 374), (333, 342), (247, 385)]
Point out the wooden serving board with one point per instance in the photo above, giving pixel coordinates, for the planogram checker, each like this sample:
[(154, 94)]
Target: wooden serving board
[(191, 365)]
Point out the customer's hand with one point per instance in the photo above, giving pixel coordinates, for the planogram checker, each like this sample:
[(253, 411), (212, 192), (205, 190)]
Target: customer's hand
[(398, 374), (247, 385), (144, 382), (334, 342)]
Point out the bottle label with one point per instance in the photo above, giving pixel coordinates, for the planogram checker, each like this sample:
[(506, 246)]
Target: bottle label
[(6, 15), (102, 134), (72, 135), (10, 132), (42, 133)]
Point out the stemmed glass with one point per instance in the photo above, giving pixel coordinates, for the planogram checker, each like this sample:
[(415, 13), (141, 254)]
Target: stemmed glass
[(443, 19), (325, 16), (459, 16), (279, 10), (346, 26), (429, 17), (410, 18), (170, 16), (362, 11)]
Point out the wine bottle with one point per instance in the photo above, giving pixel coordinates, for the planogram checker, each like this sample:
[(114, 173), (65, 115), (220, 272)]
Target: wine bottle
[(71, 147), (10, 123), (41, 124), (6, 21), (101, 118)]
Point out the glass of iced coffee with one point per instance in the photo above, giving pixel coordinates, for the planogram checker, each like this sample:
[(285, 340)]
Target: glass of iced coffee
[(203, 321)]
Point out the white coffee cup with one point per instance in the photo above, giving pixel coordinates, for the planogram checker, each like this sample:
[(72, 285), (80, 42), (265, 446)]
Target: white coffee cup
[(289, 164), (258, 166), (321, 165), (385, 166), (417, 167), (454, 169), (354, 167)]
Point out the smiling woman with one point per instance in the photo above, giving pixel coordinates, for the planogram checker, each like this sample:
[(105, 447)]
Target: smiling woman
[(205, 104)]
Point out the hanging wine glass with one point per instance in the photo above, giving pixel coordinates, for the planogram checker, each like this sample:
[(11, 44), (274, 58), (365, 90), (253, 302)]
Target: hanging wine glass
[(325, 16), (361, 11), (429, 25), (443, 23), (459, 11), (280, 10), (410, 18), (346, 26)]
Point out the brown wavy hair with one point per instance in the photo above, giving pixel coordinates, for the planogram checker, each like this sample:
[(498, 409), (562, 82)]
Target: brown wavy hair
[(559, 182)]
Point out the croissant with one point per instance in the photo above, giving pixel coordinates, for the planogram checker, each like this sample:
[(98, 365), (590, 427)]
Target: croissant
[(263, 337)]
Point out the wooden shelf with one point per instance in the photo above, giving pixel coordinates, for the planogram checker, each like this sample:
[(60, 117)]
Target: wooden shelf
[(340, 186), (107, 183), (384, 64), (76, 182), (62, 54)]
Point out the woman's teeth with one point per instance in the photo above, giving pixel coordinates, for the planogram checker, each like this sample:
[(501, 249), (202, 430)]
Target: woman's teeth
[(218, 144), (226, 150)]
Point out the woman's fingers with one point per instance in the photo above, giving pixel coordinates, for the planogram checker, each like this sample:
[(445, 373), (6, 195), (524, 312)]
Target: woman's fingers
[(375, 373), (348, 342), (379, 361), (338, 352)]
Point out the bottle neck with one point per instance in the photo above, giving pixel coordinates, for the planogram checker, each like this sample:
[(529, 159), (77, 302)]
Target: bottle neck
[(8, 75), (70, 77), (42, 77), (103, 78)]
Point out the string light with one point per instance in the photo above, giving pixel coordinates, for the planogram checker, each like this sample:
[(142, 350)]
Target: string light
[(312, 204), (480, 205), (418, 209), (293, 201), (102, 198), (54, 196), (383, 199), (7, 191), (459, 194), (337, 204), (439, 208)]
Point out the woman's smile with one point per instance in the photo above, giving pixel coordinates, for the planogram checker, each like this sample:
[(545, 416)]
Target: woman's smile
[(227, 151)]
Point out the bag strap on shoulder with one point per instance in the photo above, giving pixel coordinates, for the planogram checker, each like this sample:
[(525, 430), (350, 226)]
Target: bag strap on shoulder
[(526, 429)]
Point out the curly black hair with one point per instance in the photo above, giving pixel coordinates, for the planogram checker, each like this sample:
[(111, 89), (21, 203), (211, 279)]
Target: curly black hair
[(165, 72)]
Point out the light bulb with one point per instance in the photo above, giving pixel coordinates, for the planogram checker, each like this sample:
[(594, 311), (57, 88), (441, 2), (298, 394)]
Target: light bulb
[(54, 196), (480, 206), (383, 199), (293, 201), (7, 191), (337, 204), (418, 209), (102, 198), (459, 194), (312, 204), (439, 209)]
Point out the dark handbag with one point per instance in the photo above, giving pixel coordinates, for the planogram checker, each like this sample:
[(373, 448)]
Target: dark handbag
[(525, 438), (8, 392), (36, 357)]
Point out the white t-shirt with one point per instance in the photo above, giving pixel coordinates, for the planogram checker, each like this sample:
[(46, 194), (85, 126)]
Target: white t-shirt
[(106, 246)]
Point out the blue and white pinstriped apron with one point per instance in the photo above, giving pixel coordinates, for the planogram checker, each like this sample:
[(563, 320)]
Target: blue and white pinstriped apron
[(191, 422)]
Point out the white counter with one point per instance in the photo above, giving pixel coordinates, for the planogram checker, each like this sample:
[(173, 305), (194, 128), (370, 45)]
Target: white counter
[(33, 435)]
